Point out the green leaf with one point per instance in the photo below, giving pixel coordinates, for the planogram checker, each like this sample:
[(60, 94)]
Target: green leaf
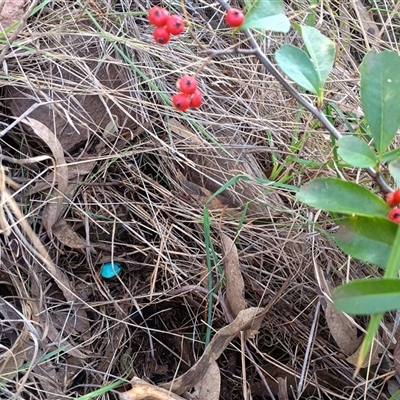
[(296, 64), (335, 195), (389, 156), (380, 88), (368, 296), (393, 265), (267, 14), (356, 152), (394, 169), (321, 50), (367, 239)]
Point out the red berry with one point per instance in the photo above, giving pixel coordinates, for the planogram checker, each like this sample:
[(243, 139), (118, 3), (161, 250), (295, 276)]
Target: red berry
[(187, 84), (175, 25), (394, 215), (158, 16), (390, 199), (393, 198), (181, 101), (161, 35), (396, 196), (196, 99), (234, 17)]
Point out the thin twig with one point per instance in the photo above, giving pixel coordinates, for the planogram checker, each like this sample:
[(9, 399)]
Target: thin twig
[(310, 344), (236, 50)]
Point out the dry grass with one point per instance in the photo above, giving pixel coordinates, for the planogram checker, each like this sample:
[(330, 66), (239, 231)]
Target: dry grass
[(136, 197)]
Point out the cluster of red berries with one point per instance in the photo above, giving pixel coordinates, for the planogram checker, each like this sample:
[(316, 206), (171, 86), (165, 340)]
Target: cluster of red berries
[(166, 24), (393, 199), (189, 95)]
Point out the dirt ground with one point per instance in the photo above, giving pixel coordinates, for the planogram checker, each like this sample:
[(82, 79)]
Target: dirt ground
[(225, 298)]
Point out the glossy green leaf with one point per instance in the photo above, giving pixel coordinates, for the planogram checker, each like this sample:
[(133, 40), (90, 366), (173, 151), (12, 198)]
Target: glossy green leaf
[(321, 50), (335, 195), (268, 15), (368, 296), (296, 64), (356, 152), (394, 169), (367, 239), (380, 88)]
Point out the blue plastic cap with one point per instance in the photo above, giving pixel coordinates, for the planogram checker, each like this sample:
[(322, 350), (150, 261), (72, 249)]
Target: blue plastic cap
[(110, 270)]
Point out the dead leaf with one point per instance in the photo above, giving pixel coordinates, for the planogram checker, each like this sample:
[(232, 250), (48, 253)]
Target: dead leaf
[(234, 280), (256, 324), (75, 172), (51, 381), (68, 323), (54, 206), (215, 167), (365, 19), (142, 390), (217, 345), (57, 340), (186, 350), (11, 12), (61, 230), (209, 387), (183, 132), (370, 359), (66, 235), (345, 334), (202, 196), (343, 331)]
